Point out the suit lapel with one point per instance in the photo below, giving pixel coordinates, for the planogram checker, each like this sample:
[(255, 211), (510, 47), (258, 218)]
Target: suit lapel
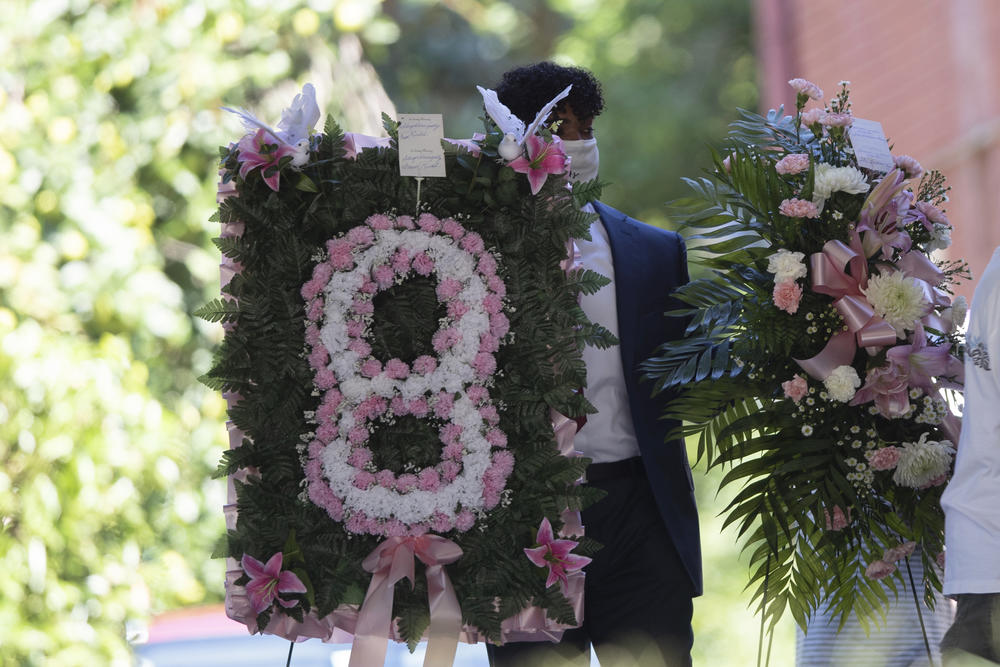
[(625, 254)]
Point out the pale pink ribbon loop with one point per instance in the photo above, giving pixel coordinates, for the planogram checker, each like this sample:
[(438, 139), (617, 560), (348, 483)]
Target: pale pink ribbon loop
[(390, 562), (865, 329)]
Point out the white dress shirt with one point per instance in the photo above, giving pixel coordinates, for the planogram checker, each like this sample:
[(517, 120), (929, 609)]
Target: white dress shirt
[(608, 435), (972, 500)]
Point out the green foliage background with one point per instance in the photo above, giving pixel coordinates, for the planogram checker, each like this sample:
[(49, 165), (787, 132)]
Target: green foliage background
[(109, 125)]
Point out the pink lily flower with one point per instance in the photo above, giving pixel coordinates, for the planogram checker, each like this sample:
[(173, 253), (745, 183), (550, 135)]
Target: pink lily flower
[(267, 580), (883, 215), (543, 159), (264, 151), (923, 362), (555, 555), (888, 386)]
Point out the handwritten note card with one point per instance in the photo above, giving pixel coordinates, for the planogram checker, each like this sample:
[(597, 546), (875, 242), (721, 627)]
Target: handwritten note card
[(870, 147), (420, 152)]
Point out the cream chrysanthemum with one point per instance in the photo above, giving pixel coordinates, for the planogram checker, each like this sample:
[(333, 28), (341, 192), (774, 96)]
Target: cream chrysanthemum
[(897, 299), (923, 462), (830, 179)]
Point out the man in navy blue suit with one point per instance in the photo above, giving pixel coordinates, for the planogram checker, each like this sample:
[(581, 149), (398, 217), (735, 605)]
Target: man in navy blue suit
[(639, 587)]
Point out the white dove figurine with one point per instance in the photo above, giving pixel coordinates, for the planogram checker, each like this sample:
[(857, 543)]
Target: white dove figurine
[(295, 126), (513, 127)]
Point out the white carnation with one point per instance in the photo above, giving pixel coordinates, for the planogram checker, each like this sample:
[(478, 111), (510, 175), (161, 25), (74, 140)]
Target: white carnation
[(897, 299), (830, 179), (842, 383), (922, 462), (786, 265), (940, 238)]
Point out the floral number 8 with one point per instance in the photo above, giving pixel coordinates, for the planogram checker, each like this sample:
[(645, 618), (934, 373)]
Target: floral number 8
[(359, 390)]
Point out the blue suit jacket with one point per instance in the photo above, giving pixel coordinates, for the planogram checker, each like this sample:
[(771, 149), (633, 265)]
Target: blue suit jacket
[(649, 264)]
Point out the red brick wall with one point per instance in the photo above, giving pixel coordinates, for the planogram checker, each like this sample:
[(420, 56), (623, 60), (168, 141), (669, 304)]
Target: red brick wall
[(928, 70)]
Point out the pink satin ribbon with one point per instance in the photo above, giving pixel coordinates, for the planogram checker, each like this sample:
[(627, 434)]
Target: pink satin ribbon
[(390, 562), (841, 271)]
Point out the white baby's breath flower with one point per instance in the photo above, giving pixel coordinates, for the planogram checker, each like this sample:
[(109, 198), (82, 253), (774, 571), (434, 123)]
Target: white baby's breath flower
[(959, 309), (897, 299), (923, 462), (842, 383), (786, 265), (830, 179)]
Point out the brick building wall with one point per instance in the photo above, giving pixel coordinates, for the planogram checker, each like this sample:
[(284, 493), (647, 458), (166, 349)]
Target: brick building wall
[(928, 70)]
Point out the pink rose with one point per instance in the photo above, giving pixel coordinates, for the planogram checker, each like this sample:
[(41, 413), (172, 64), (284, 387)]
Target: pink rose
[(879, 570), (787, 295), (796, 388), (793, 163), (885, 458), (798, 208), (899, 552), (807, 88)]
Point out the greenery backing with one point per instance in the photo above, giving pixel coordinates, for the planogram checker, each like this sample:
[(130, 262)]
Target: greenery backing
[(261, 359), (740, 347)]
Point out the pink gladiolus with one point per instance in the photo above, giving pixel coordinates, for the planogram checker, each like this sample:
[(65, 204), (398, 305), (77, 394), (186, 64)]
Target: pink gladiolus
[(792, 164), (796, 388), (264, 151), (555, 555), (885, 458), (879, 569), (267, 580), (787, 295), (807, 88), (543, 159), (798, 208), (899, 552)]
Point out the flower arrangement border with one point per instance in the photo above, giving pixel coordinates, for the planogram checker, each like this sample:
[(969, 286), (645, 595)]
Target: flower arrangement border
[(275, 231)]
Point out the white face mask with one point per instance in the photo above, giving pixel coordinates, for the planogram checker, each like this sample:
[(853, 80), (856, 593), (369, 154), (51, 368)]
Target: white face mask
[(584, 159)]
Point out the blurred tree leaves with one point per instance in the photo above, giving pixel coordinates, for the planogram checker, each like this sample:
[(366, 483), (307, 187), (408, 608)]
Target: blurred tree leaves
[(109, 125)]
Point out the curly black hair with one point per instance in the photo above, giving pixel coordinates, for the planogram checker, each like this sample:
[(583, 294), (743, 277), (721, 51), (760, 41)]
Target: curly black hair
[(525, 90)]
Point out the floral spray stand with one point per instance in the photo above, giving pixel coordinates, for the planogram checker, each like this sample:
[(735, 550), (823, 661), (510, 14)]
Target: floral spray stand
[(399, 358)]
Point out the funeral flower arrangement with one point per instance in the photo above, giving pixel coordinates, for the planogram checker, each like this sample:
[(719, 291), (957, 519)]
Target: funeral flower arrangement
[(820, 350), (395, 368)]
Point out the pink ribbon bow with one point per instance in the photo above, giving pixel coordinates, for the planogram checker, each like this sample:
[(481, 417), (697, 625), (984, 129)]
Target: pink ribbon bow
[(841, 271), (391, 561)]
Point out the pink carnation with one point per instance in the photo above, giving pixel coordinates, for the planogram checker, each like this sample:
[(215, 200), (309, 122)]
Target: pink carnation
[(450, 433), (812, 116), (448, 289), (488, 342), (328, 408), (899, 552), (312, 288), (496, 438), (465, 520), (401, 261), (340, 254), (396, 369), (499, 325), (490, 414), (450, 470), (885, 458), (879, 570), (418, 407), (792, 164), (935, 481), (315, 310), (379, 221), (796, 388), (807, 88), (368, 287), (362, 307), (452, 451), (363, 479), (398, 406), (357, 435), (445, 339), (442, 409), (423, 264), (488, 267), (503, 462), (429, 223), (456, 309), (798, 208), (319, 358), (384, 275), (406, 482), (472, 242), (394, 528), (359, 456), (361, 235), (385, 479), (325, 379), (492, 303), (312, 334), (476, 393), (328, 431), (836, 520), (429, 479), (360, 347), (485, 365), (441, 523), (355, 328), (787, 295), (910, 166), (404, 222), (424, 364), (452, 229), (496, 285), (836, 119)]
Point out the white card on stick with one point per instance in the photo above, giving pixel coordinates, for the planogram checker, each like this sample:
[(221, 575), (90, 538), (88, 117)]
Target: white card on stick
[(870, 146), (420, 152)]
